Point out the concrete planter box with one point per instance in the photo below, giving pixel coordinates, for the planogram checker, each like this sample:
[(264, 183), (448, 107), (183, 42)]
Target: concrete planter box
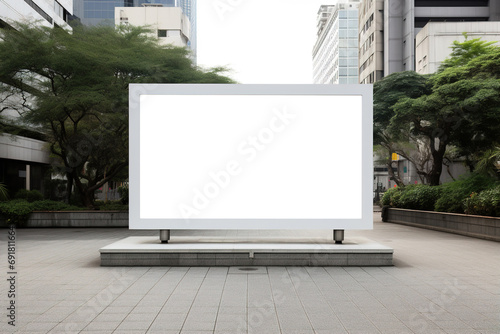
[(76, 219), (472, 226)]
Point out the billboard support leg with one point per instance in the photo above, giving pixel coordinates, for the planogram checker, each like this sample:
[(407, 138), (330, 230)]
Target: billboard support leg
[(338, 236), (164, 236)]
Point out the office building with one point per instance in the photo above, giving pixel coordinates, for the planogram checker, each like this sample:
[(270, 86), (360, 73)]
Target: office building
[(46, 12), (24, 159), (168, 24), (396, 24), (371, 41), (335, 54), (433, 42), (95, 12)]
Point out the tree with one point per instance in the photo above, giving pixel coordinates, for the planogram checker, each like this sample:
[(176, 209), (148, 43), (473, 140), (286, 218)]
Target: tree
[(463, 108), (77, 85), (386, 93)]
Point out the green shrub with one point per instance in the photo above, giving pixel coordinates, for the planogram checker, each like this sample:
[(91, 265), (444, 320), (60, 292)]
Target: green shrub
[(15, 211), (48, 205), (391, 197), (29, 195), (21, 194), (453, 194), (418, 197), (111, 206), (34, 195), (486, 203)]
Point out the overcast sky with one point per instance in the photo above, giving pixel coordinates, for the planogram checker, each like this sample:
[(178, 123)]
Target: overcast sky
[(262, 41)]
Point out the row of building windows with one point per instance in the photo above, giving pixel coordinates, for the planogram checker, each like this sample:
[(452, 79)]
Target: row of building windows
[(367, 44), (351, 14), (375, 75), (365, 65), (96, 14), (348, 34), (367, 24), (348, 24), (96, 5), (349, 52)]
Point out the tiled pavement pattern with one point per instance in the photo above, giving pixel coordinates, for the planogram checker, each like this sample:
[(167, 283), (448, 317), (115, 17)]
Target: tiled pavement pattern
[(441, 283)]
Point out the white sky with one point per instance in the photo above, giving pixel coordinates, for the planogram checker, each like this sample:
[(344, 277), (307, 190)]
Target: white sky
[(262, 41)]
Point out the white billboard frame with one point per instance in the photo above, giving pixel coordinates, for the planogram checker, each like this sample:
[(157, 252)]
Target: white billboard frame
[(191, 92)]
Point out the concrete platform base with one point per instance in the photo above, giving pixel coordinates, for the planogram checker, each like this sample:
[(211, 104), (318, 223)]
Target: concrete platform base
[(182, 251)]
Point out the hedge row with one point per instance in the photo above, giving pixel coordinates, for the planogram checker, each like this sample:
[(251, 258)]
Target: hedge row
[(17, 211), (475, 194)]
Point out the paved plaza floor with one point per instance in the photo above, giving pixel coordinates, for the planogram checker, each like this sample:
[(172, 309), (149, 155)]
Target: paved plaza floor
[(440, 283)]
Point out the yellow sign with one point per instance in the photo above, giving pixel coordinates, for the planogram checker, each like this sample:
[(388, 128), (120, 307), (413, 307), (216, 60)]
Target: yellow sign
[(395, 157)]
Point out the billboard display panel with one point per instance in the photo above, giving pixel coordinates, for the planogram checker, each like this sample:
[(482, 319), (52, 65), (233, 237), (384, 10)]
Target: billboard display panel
[(251, 157)]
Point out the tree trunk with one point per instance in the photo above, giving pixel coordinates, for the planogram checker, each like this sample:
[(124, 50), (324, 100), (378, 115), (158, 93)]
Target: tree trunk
[(434, 175), (88, 199), (87, 195), (393, 176), (69, 187)]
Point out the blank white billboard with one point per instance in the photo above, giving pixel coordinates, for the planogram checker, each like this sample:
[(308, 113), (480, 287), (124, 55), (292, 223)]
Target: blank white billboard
[(250, 157)]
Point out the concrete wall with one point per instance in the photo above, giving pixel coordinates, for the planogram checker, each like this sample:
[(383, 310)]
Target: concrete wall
[(435, 39), (23, 149), (398, 36), (472, 226), (77, 219)]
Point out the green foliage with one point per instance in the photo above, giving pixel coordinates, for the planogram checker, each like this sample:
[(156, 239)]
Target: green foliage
[(391, 197), (4, 193), (390, 90), (15, 211), (453, 194), (77, 84), (48, 205), (490, 162), (486, 203), (29, 195), (463, 52), (123, 191), (457, 106), (112, 206), (419, 197), (413, 196)]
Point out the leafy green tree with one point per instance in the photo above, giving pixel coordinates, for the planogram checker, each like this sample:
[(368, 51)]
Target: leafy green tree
[(463, 108), (74, 87), (490, 162), (386, 93)]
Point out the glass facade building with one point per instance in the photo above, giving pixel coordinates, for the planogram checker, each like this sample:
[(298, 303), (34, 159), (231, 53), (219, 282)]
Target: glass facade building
[(335, 55), (94, 12)]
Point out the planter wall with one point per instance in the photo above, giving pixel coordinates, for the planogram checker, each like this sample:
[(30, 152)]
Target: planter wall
[(472, 226), (77, 219)]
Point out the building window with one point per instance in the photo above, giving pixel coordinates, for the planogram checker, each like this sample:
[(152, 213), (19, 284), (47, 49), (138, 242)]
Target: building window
[(162, 33)]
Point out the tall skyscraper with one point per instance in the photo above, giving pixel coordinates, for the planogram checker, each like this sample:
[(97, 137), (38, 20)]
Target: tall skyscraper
[(94, 12), (335, 54)]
